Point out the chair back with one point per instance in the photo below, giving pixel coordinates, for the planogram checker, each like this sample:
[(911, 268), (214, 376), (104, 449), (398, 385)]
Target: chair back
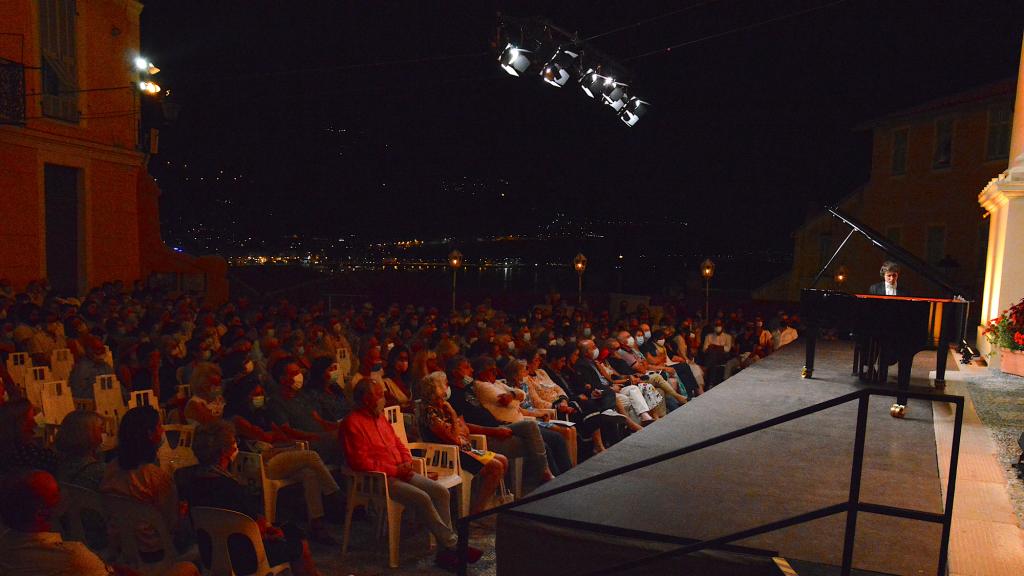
[(108, 356), (219, 525), (37, 376), (177, 451), (127, 517), (75, 500), (57, 401), (18, 365), (61, 363), (248, 466), (109, 401), (138, 398), (393, 414)]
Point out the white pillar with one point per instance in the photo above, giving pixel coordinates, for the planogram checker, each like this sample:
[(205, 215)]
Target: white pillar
[(1003, 199)]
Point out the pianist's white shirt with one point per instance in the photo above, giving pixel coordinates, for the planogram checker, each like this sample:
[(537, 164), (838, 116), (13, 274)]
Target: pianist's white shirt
[(890, 289)]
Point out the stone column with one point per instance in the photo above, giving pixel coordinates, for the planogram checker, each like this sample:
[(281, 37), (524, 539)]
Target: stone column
[(1003, 199)]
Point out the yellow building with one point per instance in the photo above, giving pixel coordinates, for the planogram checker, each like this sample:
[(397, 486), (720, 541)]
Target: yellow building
[(79, 205), (927, 164)]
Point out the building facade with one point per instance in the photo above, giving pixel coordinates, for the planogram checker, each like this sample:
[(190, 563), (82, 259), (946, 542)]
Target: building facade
[(80, 206), (927, 164)]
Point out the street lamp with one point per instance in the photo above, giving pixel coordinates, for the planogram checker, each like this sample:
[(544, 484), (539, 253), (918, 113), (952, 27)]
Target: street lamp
[(455, 261), (580, 264), (841, 275), (707, 270)]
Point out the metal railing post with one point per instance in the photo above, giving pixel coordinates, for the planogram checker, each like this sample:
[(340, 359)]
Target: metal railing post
[(947, 516), (853, 504)]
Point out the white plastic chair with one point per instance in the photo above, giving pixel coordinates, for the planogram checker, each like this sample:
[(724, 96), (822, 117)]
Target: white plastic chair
[(75, 500), (370, 489), (138, 398), (178, 454), (107, 395), (57, 402), (344, 363), (61, 363), (37, 377), (441, 459), (251, 467), (108, 356), (126, 515), (219, 524), (18, 365)]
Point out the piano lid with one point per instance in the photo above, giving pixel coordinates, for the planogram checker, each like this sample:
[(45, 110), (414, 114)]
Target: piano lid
[(899, 254)]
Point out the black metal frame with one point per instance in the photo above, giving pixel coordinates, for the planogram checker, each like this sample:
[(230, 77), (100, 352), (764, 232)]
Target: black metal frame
[(852, 507)]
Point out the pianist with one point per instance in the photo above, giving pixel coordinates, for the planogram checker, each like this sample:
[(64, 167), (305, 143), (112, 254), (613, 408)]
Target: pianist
[(890, 273)]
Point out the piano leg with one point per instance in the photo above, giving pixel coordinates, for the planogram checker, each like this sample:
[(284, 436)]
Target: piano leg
[(812, 338), (940, 364)]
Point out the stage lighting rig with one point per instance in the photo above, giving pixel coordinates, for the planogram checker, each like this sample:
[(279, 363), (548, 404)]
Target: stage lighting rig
[(557, 71), (633, 111), (515, 60)]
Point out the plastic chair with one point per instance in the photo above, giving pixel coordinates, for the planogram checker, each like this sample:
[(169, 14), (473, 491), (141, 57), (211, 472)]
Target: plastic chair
[(108, 356), (370, 489), (220, 524), (56, 402), (138, 398), (177, 454), (126, 515), (61, 363), (37, 377), (441, 459), (18, 365), (75, 500), (107, 395), (251, 467), (344, 363)]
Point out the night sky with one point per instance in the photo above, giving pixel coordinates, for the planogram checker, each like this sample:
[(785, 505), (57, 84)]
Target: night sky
[(392, 119)]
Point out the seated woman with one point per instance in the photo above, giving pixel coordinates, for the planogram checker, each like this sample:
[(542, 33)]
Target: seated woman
[(247, 409), (136, 475), (443, 425), (78, 443), (19, 448), (515, 377), (325, 392), (397, 380), (207, 401), (212, 485)]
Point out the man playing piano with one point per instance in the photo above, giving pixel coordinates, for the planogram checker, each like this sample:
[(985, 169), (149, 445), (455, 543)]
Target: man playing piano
[(890, 273)]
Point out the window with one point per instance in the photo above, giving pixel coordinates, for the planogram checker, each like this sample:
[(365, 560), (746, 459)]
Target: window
[(999, 132), (935, 250), (59, 70), (894, 235), (943, 143), (899, 151)]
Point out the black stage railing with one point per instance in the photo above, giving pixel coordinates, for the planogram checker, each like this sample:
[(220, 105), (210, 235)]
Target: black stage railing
[(852, 507)]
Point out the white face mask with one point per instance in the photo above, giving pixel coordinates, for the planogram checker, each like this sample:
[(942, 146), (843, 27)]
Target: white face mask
[(661, 342), (647, 334), (297, 382), (718, 329), (258, 401), (639, 340), (526, 337), (447, 392), (586, 332), (630, 342), (335, 376), (511, 345), (248, 367), (595, 353)]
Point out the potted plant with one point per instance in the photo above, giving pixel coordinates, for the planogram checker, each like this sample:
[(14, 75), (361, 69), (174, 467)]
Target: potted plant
[(1006, 333)]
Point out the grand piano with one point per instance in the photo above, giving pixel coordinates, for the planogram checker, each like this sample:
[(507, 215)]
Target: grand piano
[(887, 329)]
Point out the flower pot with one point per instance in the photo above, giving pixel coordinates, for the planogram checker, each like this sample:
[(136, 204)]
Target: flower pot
[(1011, 361)]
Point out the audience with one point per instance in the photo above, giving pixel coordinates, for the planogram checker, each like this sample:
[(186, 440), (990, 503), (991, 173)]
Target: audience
[(78, 442)]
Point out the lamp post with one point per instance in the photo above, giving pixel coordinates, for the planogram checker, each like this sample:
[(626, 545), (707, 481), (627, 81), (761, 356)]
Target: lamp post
[(455, 261), (841, 275), (580, 264), (707, 270)]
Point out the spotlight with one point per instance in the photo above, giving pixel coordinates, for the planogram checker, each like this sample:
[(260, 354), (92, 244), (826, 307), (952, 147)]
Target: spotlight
[(592, 83), (633, 110), (615, 94), (556, 71), (141, 63), (514, 60), (149, 87)]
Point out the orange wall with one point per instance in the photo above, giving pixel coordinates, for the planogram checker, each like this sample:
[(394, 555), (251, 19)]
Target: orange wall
[(20, 242)]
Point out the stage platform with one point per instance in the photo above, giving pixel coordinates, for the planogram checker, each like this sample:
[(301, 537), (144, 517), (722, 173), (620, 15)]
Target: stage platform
[(770, 475)]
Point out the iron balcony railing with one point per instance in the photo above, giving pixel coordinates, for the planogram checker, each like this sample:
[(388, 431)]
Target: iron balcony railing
[(852, 506)]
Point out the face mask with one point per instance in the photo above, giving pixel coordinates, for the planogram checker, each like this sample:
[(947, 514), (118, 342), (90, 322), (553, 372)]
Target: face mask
[(647, 334), (297, 382), (586, 332), (631, 342), (718, 329), (447, 392), (526, 337), (335, 376), (467, 380), (595, 353), (258, 401), (301, 350), (758, 324), (639, 340), (511, 345), (248, 367), (661, 342)]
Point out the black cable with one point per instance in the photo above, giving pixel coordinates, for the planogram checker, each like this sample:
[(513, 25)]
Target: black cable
[(652, 19), (740, 29)]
